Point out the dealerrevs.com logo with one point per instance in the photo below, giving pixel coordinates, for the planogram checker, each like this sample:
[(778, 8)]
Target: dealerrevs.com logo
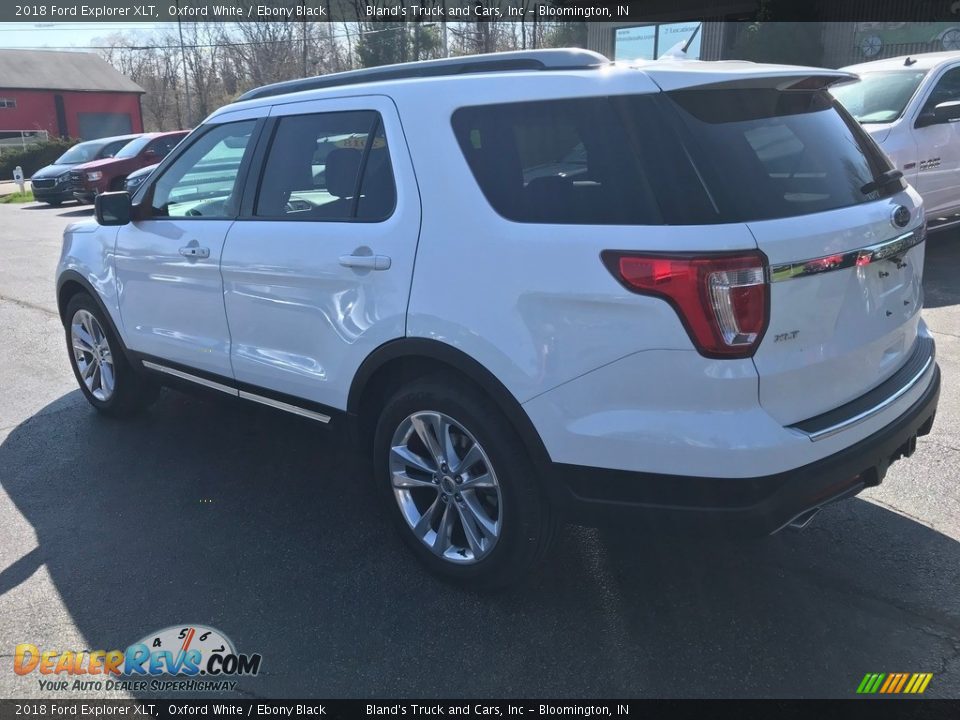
[(187, 658)]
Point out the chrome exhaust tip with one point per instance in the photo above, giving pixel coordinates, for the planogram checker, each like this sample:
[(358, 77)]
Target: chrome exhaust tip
[(803, 519)]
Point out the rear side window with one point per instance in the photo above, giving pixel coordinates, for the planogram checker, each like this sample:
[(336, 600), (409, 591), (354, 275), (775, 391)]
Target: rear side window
[(559, 161), (328, 166), (768, 153), (683, 158)]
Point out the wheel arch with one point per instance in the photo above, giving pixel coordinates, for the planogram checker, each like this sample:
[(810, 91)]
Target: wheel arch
[(69, 284), (401, 361)]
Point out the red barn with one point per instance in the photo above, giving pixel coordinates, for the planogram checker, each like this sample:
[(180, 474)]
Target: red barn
[(66, 94)]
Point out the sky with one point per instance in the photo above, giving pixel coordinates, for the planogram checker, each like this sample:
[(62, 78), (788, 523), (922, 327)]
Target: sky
[(65, 35)]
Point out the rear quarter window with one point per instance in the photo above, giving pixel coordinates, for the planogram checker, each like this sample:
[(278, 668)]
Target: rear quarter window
[(558, 162)]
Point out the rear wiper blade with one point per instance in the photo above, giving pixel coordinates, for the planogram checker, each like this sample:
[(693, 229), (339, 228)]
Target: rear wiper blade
[(886, 178)]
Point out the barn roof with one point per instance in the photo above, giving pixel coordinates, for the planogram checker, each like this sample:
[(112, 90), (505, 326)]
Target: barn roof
[(57, 70)]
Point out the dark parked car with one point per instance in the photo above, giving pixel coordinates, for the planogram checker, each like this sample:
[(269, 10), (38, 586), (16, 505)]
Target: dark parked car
[(52, 183), (100, 176), (137, 178)]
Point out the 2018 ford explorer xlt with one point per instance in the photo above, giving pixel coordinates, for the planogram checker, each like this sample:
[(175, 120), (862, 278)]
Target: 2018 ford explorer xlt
[(532, 286)]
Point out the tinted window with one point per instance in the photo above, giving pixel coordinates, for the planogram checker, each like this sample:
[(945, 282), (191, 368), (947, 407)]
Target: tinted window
[(133, 148), (163, 145), (767, 153), (202, 182), (111, 149), (583, 161), (879, 97), (314, 166), (85, 152), (947, 89)]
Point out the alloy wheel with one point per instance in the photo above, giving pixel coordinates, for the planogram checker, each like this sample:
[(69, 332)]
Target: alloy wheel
[(92, 354), (446, 487)]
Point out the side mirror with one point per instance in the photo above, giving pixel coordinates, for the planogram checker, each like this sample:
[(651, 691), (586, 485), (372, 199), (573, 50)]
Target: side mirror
[(112, 208), (943, 113), (947, 111)]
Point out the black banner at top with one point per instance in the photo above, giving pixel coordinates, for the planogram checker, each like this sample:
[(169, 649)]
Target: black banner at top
[(628, 11)]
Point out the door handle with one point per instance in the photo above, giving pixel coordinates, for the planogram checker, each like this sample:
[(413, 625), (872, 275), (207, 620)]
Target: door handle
[(366, 262), (194, 251)]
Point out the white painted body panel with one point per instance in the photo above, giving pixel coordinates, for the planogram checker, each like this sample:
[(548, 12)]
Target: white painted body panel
[(854, 327), (677, 413), (301, 323), (172, 306), (88, 250)]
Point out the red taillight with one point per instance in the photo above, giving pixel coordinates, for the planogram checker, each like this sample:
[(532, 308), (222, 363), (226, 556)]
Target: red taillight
[(722, 299)]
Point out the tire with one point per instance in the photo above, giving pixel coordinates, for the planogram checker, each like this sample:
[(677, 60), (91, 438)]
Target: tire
[(92, 346), (518, 525)]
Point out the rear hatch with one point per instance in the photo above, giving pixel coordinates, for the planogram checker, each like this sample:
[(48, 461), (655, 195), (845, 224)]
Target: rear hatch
[(816, 193)]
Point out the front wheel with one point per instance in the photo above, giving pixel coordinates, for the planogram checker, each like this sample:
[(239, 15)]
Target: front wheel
[(460, 485), (99, 364)]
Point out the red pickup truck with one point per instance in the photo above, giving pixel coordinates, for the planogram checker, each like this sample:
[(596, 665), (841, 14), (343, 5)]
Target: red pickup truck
[(99, 176)]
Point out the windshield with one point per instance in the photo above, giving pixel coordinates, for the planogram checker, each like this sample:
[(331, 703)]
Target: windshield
[(84, 152), (133, 148), (879, 97)]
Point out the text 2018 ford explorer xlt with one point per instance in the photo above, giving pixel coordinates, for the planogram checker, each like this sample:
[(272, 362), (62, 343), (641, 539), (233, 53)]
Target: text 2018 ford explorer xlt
[(532, 286)]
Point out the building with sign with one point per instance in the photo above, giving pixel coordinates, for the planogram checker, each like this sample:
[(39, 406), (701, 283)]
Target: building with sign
[(719, 38)]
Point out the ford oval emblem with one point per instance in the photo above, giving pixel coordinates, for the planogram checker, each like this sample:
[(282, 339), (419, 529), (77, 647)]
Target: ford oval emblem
[(901, 216)]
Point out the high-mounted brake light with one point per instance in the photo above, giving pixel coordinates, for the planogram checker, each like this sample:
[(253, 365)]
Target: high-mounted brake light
[(723, 299)]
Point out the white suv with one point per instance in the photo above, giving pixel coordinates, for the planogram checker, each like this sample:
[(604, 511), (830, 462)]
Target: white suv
[(532, 286)]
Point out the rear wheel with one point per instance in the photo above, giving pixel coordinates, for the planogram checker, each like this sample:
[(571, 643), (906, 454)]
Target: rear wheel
[(459, 484), (99, 364)]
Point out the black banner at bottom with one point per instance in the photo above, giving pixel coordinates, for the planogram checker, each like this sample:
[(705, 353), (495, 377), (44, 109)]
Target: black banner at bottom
[(872, 708)]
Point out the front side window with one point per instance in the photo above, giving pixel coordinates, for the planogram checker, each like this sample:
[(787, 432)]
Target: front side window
[(947, 89), (163, 145), (329, 166), (133, 148), (203, 181), (879, 97)]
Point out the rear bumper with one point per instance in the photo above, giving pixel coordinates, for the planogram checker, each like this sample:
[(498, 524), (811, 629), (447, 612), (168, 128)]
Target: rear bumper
[(753, 506)]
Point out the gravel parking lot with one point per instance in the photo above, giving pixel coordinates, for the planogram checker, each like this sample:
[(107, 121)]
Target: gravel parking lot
[(260, 525)]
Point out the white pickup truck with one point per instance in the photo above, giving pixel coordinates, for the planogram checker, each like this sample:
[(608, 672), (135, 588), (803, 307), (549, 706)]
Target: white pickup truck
[(911, 106)]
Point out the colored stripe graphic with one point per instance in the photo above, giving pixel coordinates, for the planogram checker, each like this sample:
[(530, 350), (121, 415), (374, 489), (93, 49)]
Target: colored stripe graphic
[(894, 683)]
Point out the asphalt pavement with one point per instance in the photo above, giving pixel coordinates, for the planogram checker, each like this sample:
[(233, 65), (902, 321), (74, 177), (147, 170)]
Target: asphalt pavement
[(265, 527)]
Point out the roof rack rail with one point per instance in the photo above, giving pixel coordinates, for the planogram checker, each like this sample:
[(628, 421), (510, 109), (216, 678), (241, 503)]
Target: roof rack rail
[(553, 59)]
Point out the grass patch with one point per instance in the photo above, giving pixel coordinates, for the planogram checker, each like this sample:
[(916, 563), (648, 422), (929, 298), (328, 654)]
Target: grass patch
[(18, 197)]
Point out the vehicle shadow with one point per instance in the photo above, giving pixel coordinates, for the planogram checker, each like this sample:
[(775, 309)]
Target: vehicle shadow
[(48, 206), (261, 526), (82, 211)]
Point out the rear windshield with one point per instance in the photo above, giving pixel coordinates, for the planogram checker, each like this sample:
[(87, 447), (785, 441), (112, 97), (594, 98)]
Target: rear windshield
[(682, 158)]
